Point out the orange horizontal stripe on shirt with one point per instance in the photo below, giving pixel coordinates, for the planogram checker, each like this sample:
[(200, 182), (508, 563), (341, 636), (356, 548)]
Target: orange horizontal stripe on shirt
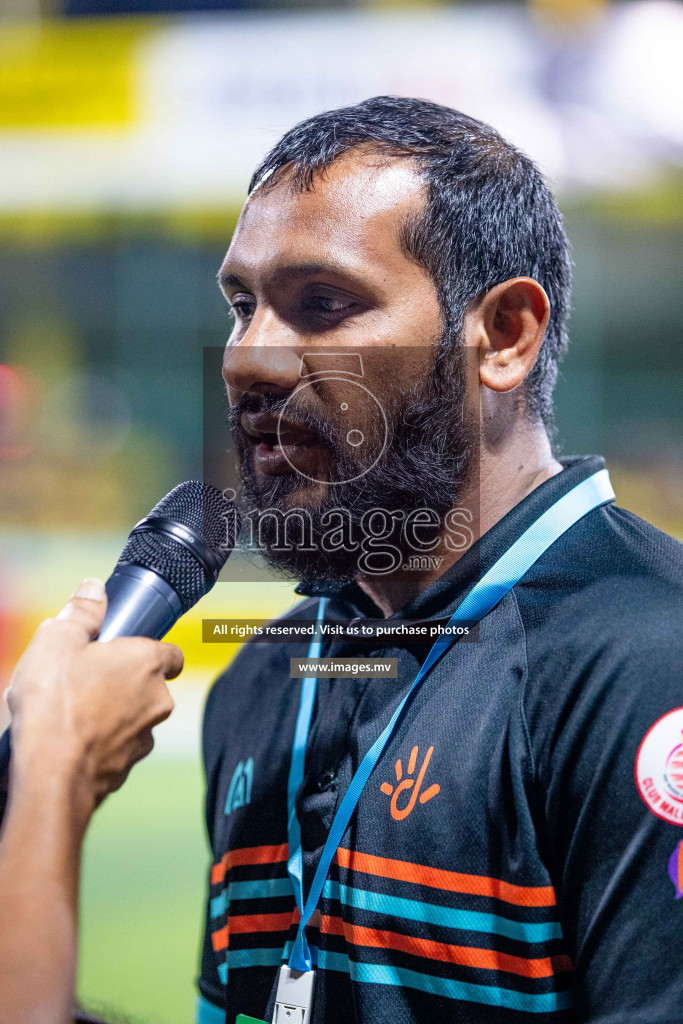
[(248, 855), (243, 923), (450, 881), (219, 939), (467, 956)]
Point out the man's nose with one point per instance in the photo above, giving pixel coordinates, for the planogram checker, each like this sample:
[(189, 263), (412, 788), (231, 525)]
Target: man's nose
[(267, 358)]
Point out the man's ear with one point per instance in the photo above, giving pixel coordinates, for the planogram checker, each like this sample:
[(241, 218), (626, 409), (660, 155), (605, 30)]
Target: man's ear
[(510, 323)]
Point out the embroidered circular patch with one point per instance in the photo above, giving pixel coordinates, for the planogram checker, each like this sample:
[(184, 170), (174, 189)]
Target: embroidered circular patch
[(659, 767)]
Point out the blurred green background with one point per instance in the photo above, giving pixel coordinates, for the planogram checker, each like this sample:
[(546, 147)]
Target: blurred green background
[(126, 145), (142, 887)]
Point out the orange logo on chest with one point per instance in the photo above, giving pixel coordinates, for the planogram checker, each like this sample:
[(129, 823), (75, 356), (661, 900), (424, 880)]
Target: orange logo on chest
[(409, 785)]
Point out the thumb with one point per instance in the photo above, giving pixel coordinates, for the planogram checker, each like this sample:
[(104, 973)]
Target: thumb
[(87, 607)]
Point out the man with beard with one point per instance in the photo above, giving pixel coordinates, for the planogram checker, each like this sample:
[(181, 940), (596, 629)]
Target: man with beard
[(414, 452), (465, 841)]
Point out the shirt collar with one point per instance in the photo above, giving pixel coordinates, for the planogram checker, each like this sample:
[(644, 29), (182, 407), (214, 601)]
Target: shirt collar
[(347, 600)]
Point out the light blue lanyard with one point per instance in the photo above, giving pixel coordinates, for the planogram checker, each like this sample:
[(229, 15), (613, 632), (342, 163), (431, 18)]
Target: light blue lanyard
[(494, 584), (296, 767)]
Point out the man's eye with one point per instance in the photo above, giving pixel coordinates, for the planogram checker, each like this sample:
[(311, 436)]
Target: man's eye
[(328, 304), (242, 309)]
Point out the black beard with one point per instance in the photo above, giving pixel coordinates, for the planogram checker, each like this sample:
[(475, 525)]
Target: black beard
[(424, 465)]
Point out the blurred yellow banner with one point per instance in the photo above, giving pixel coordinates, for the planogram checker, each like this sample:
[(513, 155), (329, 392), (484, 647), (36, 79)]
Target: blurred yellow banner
[(69, 76)]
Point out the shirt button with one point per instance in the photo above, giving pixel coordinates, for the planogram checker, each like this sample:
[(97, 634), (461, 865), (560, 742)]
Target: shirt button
[(326, 778)]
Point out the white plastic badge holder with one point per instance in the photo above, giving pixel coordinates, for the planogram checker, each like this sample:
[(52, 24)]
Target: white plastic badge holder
[(294, 999)]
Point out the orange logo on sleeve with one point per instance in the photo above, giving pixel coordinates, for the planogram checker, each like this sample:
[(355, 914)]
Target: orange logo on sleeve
[(398, 814)]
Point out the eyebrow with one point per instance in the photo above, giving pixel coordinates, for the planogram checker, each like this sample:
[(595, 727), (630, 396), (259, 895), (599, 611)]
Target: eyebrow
[(228, 280), (291, 272)]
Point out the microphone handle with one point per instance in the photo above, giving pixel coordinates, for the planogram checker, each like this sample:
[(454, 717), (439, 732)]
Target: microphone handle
[(140, 603)]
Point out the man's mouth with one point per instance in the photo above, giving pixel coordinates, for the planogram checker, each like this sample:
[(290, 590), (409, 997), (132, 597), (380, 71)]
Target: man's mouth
[(281, 446)]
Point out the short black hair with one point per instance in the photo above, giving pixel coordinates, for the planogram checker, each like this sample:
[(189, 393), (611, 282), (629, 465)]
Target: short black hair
[(489, 214)]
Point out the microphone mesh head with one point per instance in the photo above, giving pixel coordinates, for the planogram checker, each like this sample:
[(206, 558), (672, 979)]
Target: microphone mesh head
[(214, 522)]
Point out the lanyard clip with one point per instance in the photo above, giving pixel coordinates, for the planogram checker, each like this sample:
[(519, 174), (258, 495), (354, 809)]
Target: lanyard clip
[(294, 998)]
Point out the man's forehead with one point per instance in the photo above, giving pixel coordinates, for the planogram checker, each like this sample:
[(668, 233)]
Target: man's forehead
[(359, 201)]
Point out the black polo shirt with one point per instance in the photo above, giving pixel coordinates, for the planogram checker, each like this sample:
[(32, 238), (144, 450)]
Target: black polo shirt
[(527, 874)]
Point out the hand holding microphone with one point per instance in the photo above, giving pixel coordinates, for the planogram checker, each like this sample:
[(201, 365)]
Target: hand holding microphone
[(82, 715), (87, 710), (171, 559)]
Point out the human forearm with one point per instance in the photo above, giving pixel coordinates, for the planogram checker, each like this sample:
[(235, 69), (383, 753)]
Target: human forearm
[(82, 716), (40, 852)]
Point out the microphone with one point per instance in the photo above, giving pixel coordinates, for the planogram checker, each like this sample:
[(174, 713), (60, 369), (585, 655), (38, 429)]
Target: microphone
[(171, 559)]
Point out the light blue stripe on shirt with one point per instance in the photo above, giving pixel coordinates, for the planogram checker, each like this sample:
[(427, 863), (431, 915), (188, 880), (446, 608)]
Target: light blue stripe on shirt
[(238, 959), (445, 917), (252, 889), (401, 977), (491, 995)]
